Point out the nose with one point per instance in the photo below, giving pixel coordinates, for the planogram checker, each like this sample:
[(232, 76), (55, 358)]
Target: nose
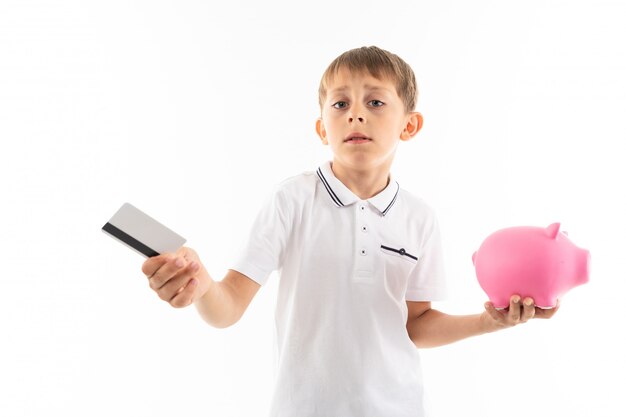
[(356, 114)]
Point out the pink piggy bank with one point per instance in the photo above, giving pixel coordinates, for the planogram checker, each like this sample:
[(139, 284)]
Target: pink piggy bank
[(536, 262)]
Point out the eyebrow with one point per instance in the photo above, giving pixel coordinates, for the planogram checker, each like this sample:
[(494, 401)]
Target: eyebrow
[(367, 87)]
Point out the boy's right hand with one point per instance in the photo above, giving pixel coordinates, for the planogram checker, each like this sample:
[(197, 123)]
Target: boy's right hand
[(178, 278)]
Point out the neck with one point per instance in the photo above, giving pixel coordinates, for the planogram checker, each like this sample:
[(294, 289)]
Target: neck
[(363, 183)]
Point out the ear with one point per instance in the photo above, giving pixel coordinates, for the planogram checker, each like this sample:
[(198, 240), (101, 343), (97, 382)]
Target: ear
[(414, 123), (321, 130)]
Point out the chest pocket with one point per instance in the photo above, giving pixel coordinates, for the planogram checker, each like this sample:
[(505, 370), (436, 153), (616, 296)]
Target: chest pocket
[(401, 252), (398, 264)]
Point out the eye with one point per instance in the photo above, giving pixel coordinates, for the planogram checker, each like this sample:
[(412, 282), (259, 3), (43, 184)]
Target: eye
[(376, 103), (340, 105)]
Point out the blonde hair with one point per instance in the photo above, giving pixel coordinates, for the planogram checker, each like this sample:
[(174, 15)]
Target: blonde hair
[(379, 64)]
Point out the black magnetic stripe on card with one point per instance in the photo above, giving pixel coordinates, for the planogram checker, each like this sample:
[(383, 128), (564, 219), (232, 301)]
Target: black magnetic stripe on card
[(129, 240)]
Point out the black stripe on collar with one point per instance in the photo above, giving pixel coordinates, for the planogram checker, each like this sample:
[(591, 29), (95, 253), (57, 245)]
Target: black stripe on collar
[(392, 201), (331, 193)]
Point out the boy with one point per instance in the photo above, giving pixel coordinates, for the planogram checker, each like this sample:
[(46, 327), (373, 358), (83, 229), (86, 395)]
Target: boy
[(360, 260)]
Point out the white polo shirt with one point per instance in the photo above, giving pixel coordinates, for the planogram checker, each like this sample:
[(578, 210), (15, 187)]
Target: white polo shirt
[(347, 267)]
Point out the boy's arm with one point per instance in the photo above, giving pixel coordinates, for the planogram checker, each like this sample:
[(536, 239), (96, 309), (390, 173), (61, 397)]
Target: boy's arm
[(225, 301), (431, 328), (180, 279)]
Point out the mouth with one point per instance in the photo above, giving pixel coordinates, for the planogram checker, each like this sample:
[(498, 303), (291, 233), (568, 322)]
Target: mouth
[(356, 138)]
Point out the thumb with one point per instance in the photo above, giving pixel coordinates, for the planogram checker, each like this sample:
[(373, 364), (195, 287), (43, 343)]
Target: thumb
[(491, 310)]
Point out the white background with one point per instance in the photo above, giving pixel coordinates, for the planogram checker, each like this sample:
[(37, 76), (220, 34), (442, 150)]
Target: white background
[(194, 111)]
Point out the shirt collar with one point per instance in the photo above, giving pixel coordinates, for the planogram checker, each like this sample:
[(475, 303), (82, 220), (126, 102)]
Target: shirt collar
[(342, 196)]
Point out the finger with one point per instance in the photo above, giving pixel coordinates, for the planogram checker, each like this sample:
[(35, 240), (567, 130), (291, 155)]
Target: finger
[(187, 253), (172, 287), (546, 313), (184, 296), (166, 272), (528, 309), (176, 283), (514, 309), (151, 265), (492, 311)]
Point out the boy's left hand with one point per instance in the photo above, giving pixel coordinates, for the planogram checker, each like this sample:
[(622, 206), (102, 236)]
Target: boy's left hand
[(519, 311)]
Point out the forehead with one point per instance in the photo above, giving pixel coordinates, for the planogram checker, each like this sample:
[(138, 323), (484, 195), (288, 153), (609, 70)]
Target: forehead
[(344, 79)]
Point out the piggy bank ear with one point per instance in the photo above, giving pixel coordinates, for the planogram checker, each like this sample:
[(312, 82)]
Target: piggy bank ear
[(553, 230)]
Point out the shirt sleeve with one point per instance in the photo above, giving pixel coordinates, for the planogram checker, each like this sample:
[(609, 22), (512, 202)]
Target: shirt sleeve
[(265, 248), (427, 280)]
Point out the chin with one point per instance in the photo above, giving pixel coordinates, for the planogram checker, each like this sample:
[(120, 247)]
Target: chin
[(362, 162)]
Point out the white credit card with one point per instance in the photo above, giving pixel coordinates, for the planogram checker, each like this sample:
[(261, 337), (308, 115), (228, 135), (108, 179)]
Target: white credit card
[(140, 232)]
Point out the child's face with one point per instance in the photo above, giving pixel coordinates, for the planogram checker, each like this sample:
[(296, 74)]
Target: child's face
[(363, 120)]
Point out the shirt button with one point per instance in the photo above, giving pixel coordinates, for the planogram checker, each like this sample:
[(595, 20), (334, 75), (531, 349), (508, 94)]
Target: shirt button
[(364, 229), (362, 208), (363, 252)]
